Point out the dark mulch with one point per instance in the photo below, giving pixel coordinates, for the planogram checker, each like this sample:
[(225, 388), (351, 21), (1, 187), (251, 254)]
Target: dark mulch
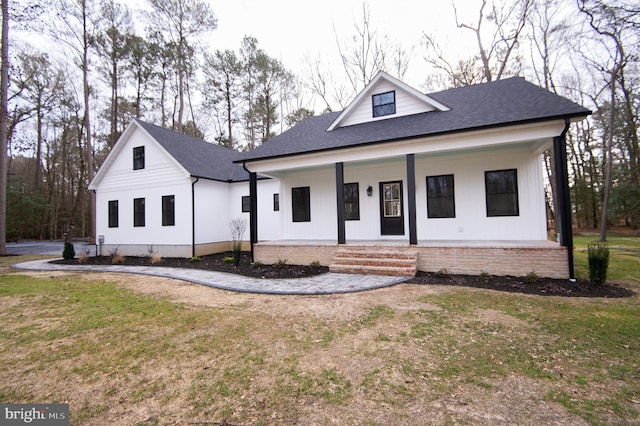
[(528, 285), (539, 286), (216, 262)]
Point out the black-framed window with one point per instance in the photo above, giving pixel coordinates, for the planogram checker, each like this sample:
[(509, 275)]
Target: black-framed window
[(168, 210), (301, 204), (384, 104), (440, 197), (501, 188), (246, 204), (351, 201), (138, 158), (138, 212), (276, 202), (113, 214)]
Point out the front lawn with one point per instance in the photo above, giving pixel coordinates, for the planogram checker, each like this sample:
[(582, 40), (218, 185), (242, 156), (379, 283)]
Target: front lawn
[(124, 349)]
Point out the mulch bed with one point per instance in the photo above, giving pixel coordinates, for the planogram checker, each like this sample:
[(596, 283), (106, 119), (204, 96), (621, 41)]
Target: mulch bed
[(528, 285)]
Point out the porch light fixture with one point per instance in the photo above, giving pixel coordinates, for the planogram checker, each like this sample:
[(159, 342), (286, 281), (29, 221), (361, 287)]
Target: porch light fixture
[(369, 191)]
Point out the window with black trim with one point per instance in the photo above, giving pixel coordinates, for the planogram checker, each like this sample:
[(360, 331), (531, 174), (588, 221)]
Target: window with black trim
[(384, 104), (138, 212), (501, 188), (440, 197), (246, 204), (301, 204), (168, 210), (351, 201), (276, 202), (138, 158), (113, 214)]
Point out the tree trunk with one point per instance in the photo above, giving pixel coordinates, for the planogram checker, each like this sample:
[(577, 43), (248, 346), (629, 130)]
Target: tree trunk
[(609, 160), (87, 123), (4, 125)]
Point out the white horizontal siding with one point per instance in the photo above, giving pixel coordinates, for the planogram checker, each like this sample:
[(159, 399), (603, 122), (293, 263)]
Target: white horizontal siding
[(405, 105)]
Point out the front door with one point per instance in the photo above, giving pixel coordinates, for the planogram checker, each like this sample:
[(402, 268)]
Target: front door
[(391, 208)]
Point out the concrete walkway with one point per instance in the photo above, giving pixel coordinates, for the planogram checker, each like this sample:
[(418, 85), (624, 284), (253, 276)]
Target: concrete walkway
[(329, 283)]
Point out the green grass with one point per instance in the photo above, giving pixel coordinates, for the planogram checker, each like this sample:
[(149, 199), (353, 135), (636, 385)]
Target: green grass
[(624, 261), (110, 351)]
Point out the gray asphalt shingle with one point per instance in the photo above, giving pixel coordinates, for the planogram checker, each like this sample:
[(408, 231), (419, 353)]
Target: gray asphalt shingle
[(500, 103)]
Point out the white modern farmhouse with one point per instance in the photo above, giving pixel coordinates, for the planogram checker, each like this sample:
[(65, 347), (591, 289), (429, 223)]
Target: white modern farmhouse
[(398, 181)]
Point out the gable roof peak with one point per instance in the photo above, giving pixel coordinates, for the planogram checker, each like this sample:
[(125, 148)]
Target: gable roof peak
[(380, 78)]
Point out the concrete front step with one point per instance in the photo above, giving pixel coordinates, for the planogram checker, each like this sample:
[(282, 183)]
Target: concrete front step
[(374, 260)]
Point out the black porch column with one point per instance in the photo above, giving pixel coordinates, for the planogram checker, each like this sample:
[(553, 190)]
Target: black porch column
[(340, 202), (253, 211), (411, 193), (563, 209)]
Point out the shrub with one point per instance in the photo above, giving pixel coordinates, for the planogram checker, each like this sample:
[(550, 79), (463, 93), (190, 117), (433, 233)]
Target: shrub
[(116, 257), (83, 257), (69, 252), (156, 259), (238, 226), (531, 278), (598, 253), (229, 259), (196, 259)]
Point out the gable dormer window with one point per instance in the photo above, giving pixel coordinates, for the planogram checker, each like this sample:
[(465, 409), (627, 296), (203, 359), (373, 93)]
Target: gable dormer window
[(384, 104), (138, 158)]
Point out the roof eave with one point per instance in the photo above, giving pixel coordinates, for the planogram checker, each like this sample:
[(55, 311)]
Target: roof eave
[(575, 117)]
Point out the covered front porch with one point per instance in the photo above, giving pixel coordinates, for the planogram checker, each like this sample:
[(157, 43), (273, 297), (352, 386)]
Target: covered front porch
[(472, 257)]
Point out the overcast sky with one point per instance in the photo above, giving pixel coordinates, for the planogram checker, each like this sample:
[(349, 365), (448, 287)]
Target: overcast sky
[(291, 30)]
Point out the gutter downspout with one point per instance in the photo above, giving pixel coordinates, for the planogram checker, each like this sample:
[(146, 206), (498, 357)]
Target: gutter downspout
[(193, 217), (564, 196)]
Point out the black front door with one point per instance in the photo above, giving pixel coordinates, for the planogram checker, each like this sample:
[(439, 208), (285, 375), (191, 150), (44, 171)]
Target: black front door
[(391, 208)]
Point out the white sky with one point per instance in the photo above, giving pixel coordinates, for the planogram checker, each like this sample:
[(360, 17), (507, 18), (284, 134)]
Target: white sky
[(291, 30)]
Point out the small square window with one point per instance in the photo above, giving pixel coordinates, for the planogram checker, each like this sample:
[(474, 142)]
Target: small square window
[(384, 104), (440, 197), (301, 204), (501, 188), (168, 210), (246, 204), (138, 212), (138, 158), (113, 214), (276, 202)]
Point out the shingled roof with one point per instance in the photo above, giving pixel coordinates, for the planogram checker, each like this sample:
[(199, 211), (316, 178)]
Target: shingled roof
[(201, 159), (505, 102)]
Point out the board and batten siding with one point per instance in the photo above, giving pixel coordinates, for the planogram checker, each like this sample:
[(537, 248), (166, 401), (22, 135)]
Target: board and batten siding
[(470, 222), (160, 176), (269, 223), (405, 105)]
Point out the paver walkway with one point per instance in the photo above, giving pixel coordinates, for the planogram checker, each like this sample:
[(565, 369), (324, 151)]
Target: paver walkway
[(329, 283)]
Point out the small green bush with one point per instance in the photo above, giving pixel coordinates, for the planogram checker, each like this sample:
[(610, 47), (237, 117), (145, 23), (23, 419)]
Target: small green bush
[(598, 252), (531, 278), (69, 252)]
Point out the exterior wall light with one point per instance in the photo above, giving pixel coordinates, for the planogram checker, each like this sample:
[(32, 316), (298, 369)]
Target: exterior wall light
[(369, 191)]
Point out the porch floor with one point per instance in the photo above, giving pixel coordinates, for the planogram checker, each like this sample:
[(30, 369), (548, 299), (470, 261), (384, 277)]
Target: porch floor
[(421, 243)]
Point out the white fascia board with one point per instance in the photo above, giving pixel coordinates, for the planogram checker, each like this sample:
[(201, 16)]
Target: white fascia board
[(539, 134)]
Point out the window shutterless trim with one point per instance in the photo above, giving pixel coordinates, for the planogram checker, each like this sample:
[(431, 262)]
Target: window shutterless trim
[(168, 210), (432, 210), (513, 209), (383, 103)]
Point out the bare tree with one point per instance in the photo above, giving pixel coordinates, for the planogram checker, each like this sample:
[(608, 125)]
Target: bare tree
[(182, 20), (4, 121), (611, 23)]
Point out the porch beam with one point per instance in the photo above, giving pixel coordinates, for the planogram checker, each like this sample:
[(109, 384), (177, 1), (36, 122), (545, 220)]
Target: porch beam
[(340, 203), (253, 210), (411, 201), (563, 209)]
